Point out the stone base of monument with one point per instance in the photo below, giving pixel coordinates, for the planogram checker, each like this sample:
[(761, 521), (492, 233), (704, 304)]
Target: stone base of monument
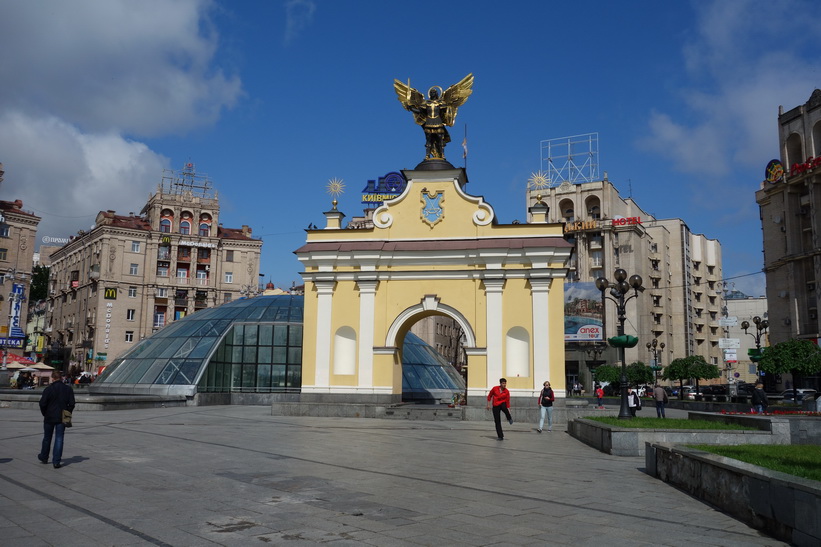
[(434, 165)]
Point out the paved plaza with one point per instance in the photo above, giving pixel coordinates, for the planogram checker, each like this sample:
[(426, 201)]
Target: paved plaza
[(235, 475)]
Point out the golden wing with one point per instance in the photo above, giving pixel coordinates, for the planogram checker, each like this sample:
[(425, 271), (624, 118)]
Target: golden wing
[(411, 99), (455, 96)]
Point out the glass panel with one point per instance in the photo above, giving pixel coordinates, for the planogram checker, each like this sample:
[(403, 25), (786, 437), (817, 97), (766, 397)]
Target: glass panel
[(280, 335), (279, 354), (151, 374), (188, 372), (203, 346), (236, 354), (249, 354), (294, 377), (264, 355), (250, 338), (264, 377), (236, 377), (295, 335), (169, 347), (169, 372), (294, 356), (266, 335), (278, 376), (248, 376)]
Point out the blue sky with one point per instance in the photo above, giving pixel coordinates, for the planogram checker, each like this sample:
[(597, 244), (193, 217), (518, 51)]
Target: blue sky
[(271, 99)]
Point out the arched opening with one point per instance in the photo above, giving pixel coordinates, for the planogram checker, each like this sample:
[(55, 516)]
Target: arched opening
[(567, 211), (795, 150), (816, 140), (593, 206)]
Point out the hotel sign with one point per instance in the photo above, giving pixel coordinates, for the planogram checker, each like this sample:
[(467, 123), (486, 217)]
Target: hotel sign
[(581, 225)]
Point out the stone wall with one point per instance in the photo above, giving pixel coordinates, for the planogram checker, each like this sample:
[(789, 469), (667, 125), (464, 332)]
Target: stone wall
[(784, 506)]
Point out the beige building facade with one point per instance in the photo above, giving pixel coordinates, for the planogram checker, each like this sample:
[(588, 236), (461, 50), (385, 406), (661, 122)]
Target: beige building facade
[(131, 275), (681, 273), (18, 229)]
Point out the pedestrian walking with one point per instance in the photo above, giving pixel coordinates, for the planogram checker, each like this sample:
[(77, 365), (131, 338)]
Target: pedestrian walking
[(660, 395), (545, 402), (499, 397), (600, 395), (633, 401), (759, 399), (56, 398)]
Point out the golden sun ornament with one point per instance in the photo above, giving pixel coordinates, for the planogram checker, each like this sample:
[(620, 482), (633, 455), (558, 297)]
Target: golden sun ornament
[(537, 180), (335, 187)]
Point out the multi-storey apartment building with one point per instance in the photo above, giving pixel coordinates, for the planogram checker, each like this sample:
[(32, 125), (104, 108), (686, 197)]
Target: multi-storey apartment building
[(681, 272), (130, 275), (17, 234), (790, 205)]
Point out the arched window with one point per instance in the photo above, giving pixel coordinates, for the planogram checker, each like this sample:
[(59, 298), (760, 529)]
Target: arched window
[(816, 139), (517, 353), (795, 151), (165, 225), (205, 229), (345, 351), (185, 227)]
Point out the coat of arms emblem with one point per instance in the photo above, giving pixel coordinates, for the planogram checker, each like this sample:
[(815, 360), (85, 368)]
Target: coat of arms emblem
[(432, 211)]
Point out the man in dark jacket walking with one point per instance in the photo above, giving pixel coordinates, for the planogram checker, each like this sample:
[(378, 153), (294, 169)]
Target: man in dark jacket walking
[(56, 398)]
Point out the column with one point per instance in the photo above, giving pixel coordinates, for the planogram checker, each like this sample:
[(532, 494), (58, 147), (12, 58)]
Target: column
[(325, 293), (367, 298), (495, 336), (539, 292)]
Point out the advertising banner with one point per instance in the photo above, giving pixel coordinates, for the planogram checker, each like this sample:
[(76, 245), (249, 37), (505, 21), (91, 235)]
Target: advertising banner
[(583, 319)]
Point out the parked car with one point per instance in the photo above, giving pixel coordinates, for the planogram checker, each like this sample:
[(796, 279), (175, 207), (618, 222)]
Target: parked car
[(746, 389), (714, 390), (690, 392), (798, 395)]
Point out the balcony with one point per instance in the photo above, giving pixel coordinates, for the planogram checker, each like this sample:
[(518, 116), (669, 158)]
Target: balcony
[(161, 297), (183, 281), (181, 302)]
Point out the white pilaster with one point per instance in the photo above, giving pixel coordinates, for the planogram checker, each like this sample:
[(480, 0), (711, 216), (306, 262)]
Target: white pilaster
[(495, 336), (325, 292), (367, 297), (539, 292)]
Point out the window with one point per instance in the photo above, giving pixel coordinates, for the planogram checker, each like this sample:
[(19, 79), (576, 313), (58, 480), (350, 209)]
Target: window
[(229, 277), (132, 292), (4, 230), (129, 315), (204, 254), (229, 256), (185, 227), (205, 229), (135, 246), (134, 269), (162, 269), (165, 226), (162, 292), (3, 254), (129, 336), (226, 297), (159, 319), (182, 273), (163, 252)]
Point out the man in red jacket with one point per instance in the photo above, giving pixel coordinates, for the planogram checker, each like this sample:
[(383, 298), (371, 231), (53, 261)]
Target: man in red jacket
[(499, 396), (56, 398)]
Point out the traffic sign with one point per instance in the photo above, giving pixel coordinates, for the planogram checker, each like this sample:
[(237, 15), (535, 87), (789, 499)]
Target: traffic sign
[(728, 322), (729, 343)]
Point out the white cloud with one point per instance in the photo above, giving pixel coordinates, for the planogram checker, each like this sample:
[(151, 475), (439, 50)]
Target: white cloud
[(82, 80), (298, 15), (744, 59), (65, 176), (143, 68)]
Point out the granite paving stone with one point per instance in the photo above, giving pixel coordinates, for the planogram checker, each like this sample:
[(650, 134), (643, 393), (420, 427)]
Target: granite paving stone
[(235, 475)]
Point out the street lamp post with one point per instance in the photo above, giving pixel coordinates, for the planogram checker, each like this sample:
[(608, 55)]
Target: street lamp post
[(761, 326), (620, 293), (656, 350), (594, 351)]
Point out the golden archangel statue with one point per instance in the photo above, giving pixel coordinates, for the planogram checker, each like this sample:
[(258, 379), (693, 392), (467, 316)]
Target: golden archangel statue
[(435, 112)]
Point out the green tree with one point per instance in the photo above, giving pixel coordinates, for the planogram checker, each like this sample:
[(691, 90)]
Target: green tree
[(639, 374), (39, 284), (685, 368), (608, 373), (800, 357)]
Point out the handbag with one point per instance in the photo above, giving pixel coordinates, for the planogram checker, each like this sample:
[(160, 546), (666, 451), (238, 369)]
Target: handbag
[(67, 418)]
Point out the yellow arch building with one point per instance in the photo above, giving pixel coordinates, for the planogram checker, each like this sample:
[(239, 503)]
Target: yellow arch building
[(434, 249)]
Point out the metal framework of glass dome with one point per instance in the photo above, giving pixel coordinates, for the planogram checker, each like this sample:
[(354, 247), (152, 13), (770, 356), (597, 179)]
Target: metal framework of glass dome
[(251, 346)]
